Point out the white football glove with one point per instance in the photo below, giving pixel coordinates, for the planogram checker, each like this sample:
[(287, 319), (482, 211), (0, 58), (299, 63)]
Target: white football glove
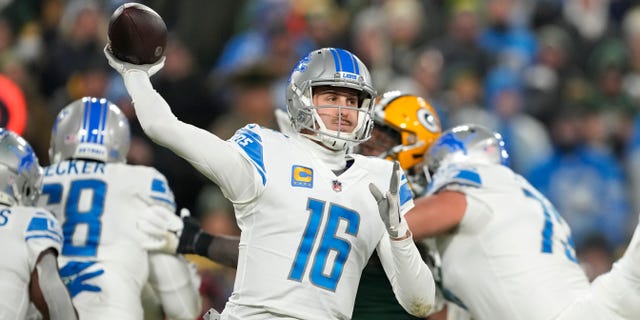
[(389, 205), (159, 229), (212, 314), (124, 67)]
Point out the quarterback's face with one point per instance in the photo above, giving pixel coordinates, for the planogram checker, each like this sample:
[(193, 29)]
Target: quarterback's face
[(337, 119)]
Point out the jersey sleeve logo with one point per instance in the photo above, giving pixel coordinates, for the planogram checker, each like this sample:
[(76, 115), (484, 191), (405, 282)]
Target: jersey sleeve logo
[(251, 143), (43, 226), (301, 177)]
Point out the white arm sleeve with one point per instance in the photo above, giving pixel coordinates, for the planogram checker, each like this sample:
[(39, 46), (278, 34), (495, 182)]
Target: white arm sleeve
[(53, 291), (212, 156), (411, 279), (174, 281)]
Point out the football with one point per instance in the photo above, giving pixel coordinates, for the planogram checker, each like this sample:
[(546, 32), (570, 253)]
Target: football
[(137, 34)]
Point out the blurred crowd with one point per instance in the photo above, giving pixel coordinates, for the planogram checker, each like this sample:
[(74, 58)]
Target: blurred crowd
[(559, 79)]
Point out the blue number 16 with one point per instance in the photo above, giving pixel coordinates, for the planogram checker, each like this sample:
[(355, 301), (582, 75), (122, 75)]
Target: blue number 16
[(328, 242), (74, 216)]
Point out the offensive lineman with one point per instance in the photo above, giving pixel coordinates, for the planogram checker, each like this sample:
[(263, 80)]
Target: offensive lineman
[(524, 265)]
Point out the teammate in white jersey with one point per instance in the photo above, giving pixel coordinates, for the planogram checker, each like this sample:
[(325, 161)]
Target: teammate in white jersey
[(308, 223), (31, 238), (98, 199), (506, 252)]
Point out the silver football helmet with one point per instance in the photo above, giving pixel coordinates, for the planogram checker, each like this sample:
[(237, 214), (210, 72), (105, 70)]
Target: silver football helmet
[(468, 143), (90, 128), (20, 172), (336, 68)]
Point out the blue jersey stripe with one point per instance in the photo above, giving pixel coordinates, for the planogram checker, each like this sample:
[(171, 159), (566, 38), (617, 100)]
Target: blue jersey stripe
[(171, 202), (470, 176), (347, 61), (253, 148), (43, 226), (405, 194), (46, 236), (51, 234)]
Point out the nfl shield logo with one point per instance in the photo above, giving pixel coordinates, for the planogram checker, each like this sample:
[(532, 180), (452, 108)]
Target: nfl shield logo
[(337, 185)]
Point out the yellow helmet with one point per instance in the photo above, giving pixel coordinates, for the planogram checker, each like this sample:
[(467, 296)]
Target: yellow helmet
[(414, 123), (414, 119)]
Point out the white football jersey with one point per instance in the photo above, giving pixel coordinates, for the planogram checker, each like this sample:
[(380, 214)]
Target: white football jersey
[(25, 232), (98, 206), (323, 227), (512, 256)]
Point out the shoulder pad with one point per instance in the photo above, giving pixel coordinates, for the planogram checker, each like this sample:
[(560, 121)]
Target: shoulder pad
[(43, 231), (454, 175)]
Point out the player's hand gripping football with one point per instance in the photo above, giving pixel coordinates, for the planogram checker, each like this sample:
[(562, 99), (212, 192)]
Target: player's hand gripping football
[(389, 206), (123, 67)]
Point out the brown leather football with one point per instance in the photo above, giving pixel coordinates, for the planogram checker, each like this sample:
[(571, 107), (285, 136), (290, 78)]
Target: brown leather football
[(137, 34)]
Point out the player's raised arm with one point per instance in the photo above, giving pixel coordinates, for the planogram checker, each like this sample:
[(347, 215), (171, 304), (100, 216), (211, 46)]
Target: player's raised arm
[(209, 154), (411, 279)]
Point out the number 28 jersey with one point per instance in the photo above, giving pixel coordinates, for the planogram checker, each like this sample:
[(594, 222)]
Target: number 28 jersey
[(511, 257), (307, 233), (98, 205)]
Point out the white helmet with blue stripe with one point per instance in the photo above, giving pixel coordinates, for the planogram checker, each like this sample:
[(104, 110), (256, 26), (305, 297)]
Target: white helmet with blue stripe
[(329, 67), (90, 128), (20, 172), (469, 143)]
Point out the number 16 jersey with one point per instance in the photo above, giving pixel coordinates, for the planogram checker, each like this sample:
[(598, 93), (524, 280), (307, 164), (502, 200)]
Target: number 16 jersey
[(307, 233)]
